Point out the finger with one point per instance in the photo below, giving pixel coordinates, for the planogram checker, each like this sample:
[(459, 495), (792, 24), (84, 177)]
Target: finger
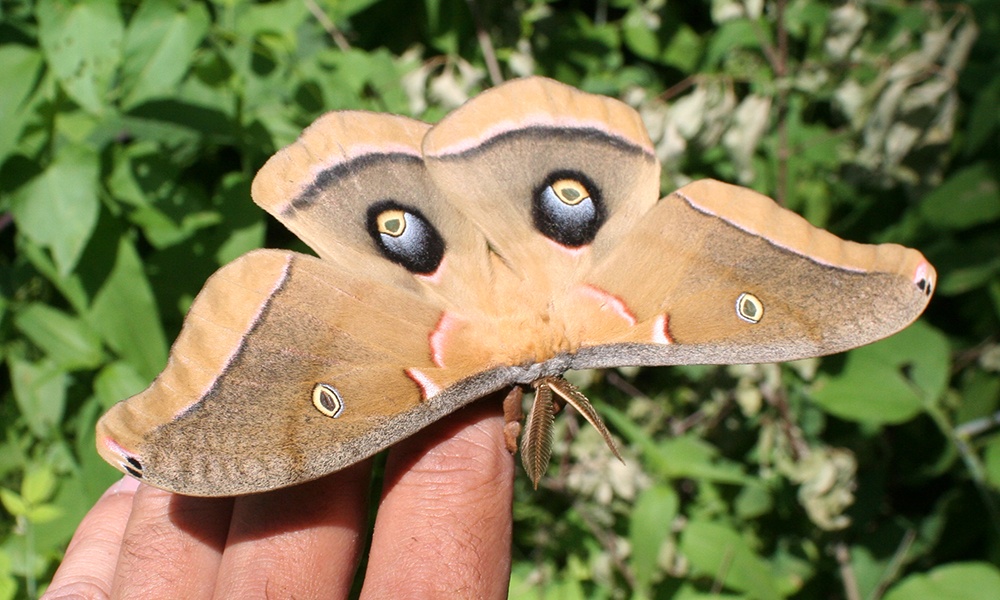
[(444, 523), (88, 568), (299, 542), (172, 546)]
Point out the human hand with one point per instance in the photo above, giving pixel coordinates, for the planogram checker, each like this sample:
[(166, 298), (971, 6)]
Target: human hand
[(443, 529)]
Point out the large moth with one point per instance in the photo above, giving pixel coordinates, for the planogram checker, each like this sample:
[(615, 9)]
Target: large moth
[(520, 237)]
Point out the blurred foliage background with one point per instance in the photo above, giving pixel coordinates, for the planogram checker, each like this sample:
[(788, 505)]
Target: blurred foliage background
[(129, 133)]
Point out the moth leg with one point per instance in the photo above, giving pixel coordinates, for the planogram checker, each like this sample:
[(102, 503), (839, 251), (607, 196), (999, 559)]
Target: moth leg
[(513, 414)]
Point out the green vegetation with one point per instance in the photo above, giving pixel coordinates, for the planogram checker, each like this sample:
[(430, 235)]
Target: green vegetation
[(129, 133)]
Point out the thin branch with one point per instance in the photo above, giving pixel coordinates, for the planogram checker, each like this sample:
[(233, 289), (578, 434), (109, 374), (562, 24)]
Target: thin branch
[(719, 581), (891, 572), (608, 540), (623, 385), (772, 54), (971, 429), (328, 25), (970, 355), (843, 555), (486, 45), (679, 88), (777, 398), (777, 57)]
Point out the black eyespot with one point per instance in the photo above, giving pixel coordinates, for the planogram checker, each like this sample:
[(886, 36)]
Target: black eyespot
[(403, 235), (925, 286), (567, 208)]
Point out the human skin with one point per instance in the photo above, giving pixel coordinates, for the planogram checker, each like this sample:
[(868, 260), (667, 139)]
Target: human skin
[(443, 529)]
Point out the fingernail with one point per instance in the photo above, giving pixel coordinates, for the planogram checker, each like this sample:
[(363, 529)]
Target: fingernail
[(126, 484)]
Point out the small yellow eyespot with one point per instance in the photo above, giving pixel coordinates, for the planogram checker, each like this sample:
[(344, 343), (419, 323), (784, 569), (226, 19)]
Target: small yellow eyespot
[(392, 222), (749, 308), (570, 191), (327, 400)]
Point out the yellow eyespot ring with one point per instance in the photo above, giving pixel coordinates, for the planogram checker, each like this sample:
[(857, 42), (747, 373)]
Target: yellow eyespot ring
[(327, 400), (391, 222), (569, 191), (749, 308)]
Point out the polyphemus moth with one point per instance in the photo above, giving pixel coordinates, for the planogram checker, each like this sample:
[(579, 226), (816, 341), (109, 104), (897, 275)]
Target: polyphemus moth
[(520, 237)]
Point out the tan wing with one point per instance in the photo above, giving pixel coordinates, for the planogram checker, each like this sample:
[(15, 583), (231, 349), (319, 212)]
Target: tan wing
[(287, 368), (731, 277), (492, 158), (401, 272), (323, 186)]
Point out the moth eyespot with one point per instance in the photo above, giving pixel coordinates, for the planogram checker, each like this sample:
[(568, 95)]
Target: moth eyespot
[(327, 400), (403, 235), (570, 191), (567, 208), (749, 308), (391, 222)]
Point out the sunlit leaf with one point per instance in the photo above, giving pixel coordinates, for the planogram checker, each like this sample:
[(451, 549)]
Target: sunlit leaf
[(58, 208)]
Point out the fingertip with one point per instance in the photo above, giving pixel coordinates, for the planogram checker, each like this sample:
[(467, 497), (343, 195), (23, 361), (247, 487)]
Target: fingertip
[(447, 501), (88, 567), (126, 485)]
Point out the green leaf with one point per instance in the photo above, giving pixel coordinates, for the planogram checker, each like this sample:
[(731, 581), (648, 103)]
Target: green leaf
[(67, 340), (983, 117), (991, 462), (46, 513), (79, 490), (116, 382), (159, 42), (168, 209), (889, 381), (345, 8), (243, 217), (82, 43), (58, 208), (754, 500), (717, 552), (732, 35), (8, 587), (684, 49), (40, 392), (38, 485), (652, 518), (70, 285), (980, 397), (957, 581), (968, 198), (690, 456), (17, 78), (660, 38), (13, 503), (124, 313), (640, 37), (684, 456)]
